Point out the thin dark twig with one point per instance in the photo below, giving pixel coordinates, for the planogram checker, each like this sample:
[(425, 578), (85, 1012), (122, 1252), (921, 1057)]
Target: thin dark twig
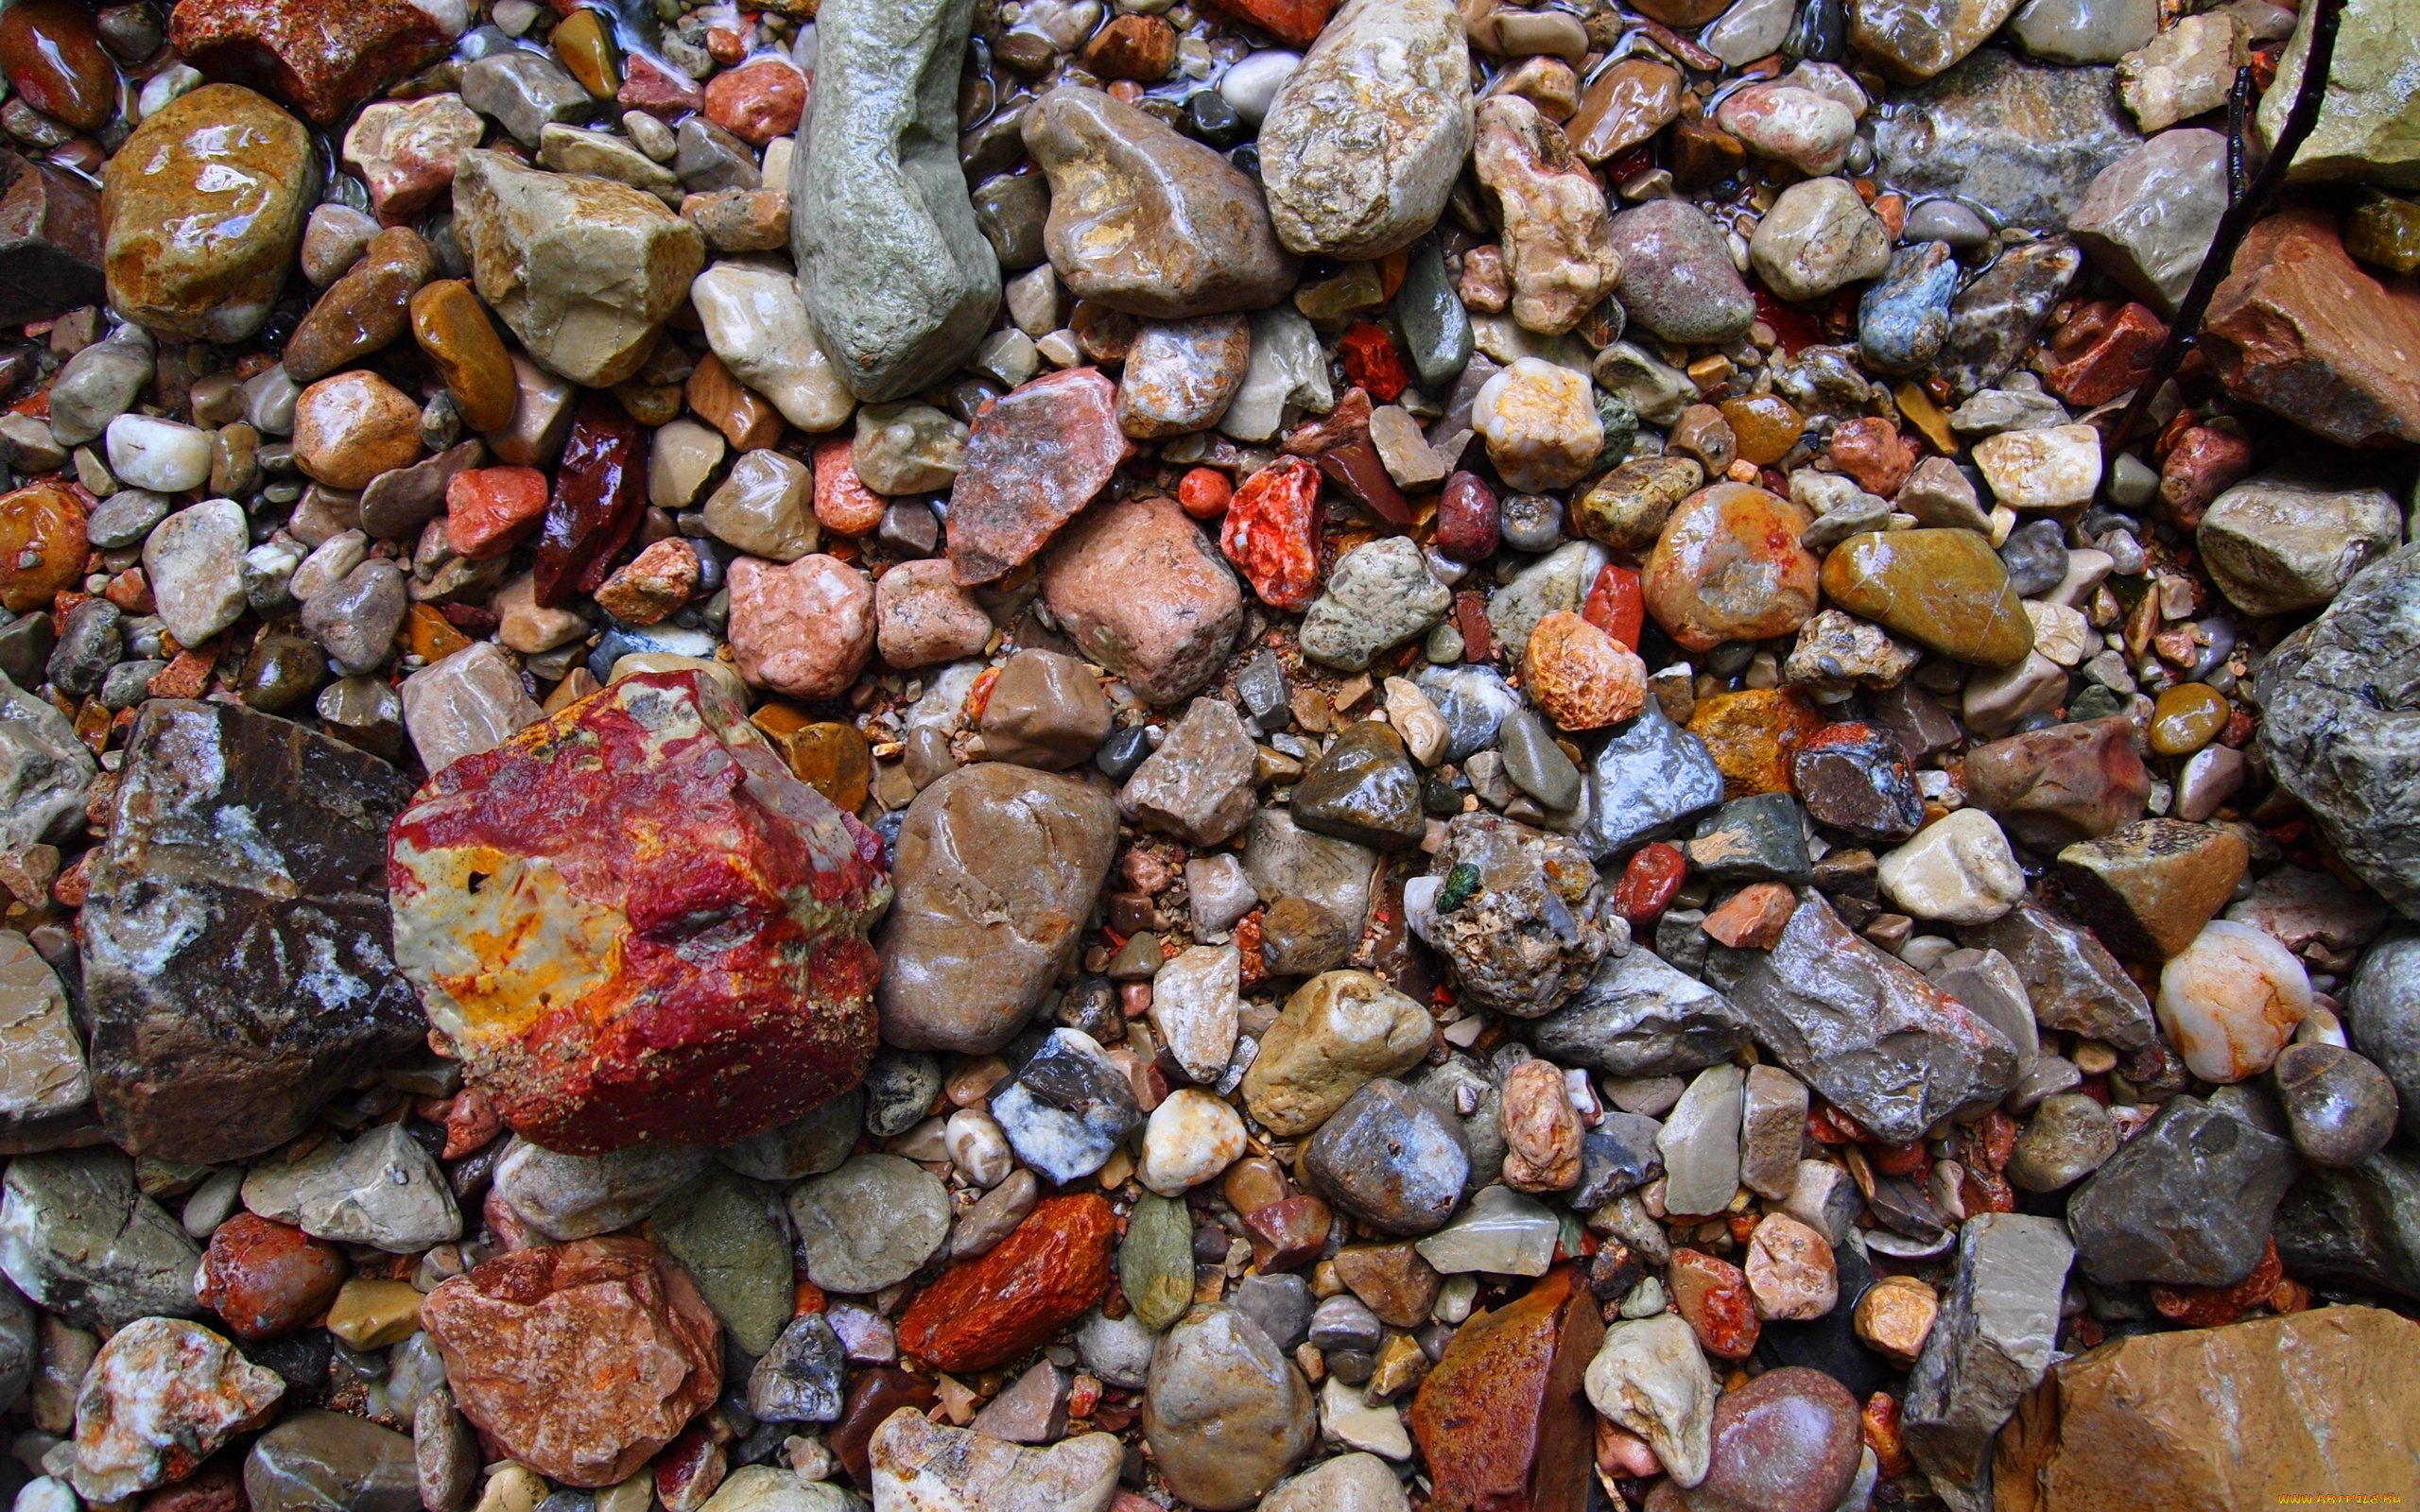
[(2241, 211), (2238, 100)]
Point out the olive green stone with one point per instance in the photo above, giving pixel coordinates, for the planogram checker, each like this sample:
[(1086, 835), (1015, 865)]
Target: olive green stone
[(1945, 589), (1365, 790), (1155, 1261), (724, 1234)]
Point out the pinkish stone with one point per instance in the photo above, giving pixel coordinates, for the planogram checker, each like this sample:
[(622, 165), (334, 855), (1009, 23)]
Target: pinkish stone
[(922, 616), (1036, 455), (804, 629), (405, 150), (758, 101)]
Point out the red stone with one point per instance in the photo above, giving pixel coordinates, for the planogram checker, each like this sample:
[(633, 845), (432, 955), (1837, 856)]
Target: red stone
[(1348, 422), (1467, 519), (1470, 617), (2205, 463), (649, 86), (1296, 22), (470, 1121), (1204, 493), (1711, 1294), (1272, 533), (1132, 46), (1035, 455), (688, 1471), (488, 509), (1792, 330), (218, 1487), (600, 496), (1879, 1424), (1616, 604), (1752, 918), (2118, 355), (634, 924), (1873, 452), (2300, 327), (1370, 361), (54, 57), (2208, 1307), (876, 1395), (582, 1361), (320, 59), (988, 1310), (844, 504), (758, 101), (1287, 1234), (1648, 883), (1356, 467), (1500, 1419), (266, 1278)]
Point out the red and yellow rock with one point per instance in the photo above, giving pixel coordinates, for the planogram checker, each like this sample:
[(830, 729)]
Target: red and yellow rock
[(634, 924)]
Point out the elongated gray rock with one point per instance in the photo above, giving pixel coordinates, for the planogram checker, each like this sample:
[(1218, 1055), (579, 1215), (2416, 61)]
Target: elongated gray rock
[(893, 268), (1638, 1017), (80, 1241), (1361, 144), (1867, 1031), (2188, 1202), (1997, 1329), (2339, 740)]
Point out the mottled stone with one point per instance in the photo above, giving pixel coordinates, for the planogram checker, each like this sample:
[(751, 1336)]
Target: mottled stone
[(2186, 1202), (201, 214), (2023, 140), (1501, 1420)]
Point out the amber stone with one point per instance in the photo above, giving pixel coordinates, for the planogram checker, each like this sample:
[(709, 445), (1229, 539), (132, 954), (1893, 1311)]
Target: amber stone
[(995, 1307), (454, 329), (1945, 589), (2187, 718), (42, 543), (1764, 428), (54, 57), (1753, 735), (831, 756), (582, 42), (600, 495), (1500, 1419)]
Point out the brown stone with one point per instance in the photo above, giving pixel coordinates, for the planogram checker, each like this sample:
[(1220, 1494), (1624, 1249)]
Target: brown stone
[(352, 427), (365, 310), (2300, 327), (2310, 1403), (1630, 102), (322, 58), (41, 544), (1393, 1281), (828, 755), (2148, 889), (50, 241), (1500, 1419), (1142, 592), (54, 57), (453, 328), (1047, 710), (1729, 567), (1945, 589), (581, 1361), (266, 1278), (1540, 1129), (1034, 457), (1712, 1297), (2052, 787)]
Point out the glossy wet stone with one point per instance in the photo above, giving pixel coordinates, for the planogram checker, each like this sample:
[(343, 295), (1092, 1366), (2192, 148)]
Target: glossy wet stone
[(1390, 1159), (1943, 589)]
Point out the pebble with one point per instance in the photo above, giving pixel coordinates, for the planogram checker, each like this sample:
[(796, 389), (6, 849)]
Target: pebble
[(1539, 423), (1580, 676), (2188, 1201), (1818, 236), (806, 628), (1226, 1414), (1808, 130), (1728, 566), (1678, 280), (1959, 869), (1388, 1158), (868, 1224)]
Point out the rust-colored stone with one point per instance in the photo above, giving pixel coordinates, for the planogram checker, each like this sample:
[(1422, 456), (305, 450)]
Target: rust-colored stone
[(2302, 328), (266, 1278), (1295, 23), (987, 1310), (54, 56), (322, 58), (1729, 567), (453, 327), (1753, 735), (1272, 533), (1500, 1419), (1034, 457), (42, 543), (1711, 1294), (584, 1360)]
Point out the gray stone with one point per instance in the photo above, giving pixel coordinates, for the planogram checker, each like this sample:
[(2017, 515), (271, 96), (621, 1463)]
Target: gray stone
[(1287, 371), (80, 1241), (2357, 1228), (445, 1452), (900, 1087), (2382, 1017), (1378, 596), (1645, 782), (1473, 701), (1030, 1410), (1863, 1029), (1558, 581), (1502, 1232), (2351, 754), (574, 1196), (1067, 1108), (1535, 764), (2188, 1202), (1281, 1305), (45, 771), (2366, 126), (45, 1091), (2070, 1137), (1651, 1378), (1349, 1482), (1522, 943), (894, 270), (1773, 1126), (2071, 980), (2280, 544), (2022, 141), (1343, 1322), (1390, 1158), (99, 383), (1445, 1085), (1619, 1155), (524, 92), (1226, 1414), (2148, 217), (1118, 1351), (805, 1146), (727, 1232), (1638, 1017), (1701, 1143), (1997, 1329), (2340, 1108), (798, 1380), (1988, 983), (925, 1465), (870, 1223), (1284, 860), (1818, 236), (1993, 319), (1198, 784), (1362, 143), (1749, 30), (329, 1462), (2083, 31), (382, 1190), (356, 619)]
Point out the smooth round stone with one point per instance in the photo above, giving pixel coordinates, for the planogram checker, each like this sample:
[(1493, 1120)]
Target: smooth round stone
[(1226, 1413), (870, 1223), (900, 1087), (1818, 236), (1945, 220), (2341, 1108), (1190, 1139), (1540, 423), (1531, 521), (1788, 1441), (158, 454), (54, 58), (1250, 85), (1942, 589), (2066, 1140), (2231, 1000), (2187, 717), (1678, 280), (1729, 567), (1392, 1158)]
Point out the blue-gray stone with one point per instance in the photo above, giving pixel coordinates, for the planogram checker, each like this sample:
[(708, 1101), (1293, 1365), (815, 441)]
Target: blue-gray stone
[(1435, 328), (798, 1378), (1904, 316), (1068, 1108), (1474, 702), (1638, 1017), (1647, 779)]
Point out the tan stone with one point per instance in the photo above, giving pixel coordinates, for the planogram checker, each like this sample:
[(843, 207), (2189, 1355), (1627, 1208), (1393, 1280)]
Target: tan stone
[(1338, 1029)]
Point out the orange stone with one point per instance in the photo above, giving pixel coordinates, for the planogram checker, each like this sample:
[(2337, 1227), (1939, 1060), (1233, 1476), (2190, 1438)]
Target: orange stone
[(1753, 735), (1764, 427), (41, 544), (430, 635), (1712, 1296), (488, 509), (831, 756), (1580, 676), (844, 504), (266, 1279), (1753, 917), (746, 419), (1875, 455), (1500, 1419), (988, 1310), (452, 326), (352, 427), (1729, 566)]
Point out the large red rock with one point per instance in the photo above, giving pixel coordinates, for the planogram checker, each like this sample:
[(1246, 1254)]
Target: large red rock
[(1500, 1419), (1015, 1297), (1034, 457), (322, 58), (2300, 327), (582, 1360), (633, 923), (1272, 533)]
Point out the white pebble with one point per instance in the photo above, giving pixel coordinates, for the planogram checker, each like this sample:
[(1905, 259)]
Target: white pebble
[(978, 1147), (1190, 1139), (2230, 1001), (158, 454), (1251, 85), (1959, 870)]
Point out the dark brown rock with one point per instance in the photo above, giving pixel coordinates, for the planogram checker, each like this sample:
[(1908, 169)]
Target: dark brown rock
[(2052, 787), (50, 241), (322, 58), (1046, 710)]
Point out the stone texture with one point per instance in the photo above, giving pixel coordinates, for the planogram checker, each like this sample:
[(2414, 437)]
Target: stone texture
[(1500, 1419), (2052, 787), (2148, 218), (1638, 1017), (993, 1309), (320, 62), (1034, 457), (2300, 327), (1227, 1413), (2021, 139), (2281, 544), (162, 1396), (2186, 1202), (80, 1241), (1337, 1031), (1141, 591), (2148, 889), (1945, 589), (925, 1467), (583, 1360), (1997, 1329), (2367, 127), (651, 1027), (995, 867)]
